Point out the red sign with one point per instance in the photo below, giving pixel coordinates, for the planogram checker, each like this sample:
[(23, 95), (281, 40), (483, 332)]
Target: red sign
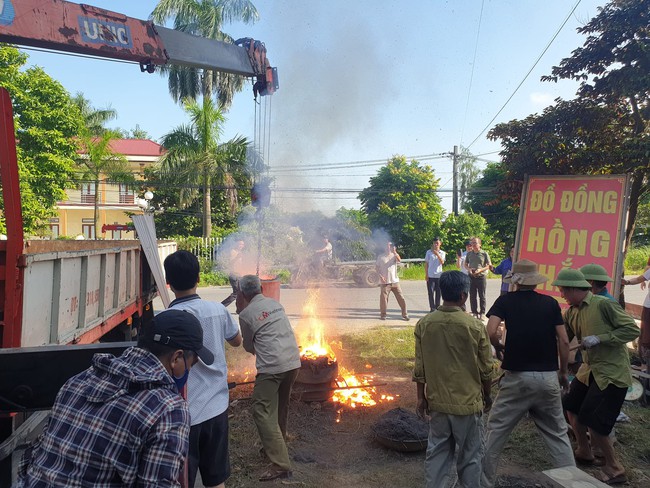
[(570, 221), (121, 227)]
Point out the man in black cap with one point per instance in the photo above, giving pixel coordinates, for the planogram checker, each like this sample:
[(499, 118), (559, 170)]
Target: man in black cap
[(122, 422)]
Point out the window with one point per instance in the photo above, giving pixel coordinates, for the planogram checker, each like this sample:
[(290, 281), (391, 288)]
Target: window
[(87, 193), (88, 230), (126, 195)]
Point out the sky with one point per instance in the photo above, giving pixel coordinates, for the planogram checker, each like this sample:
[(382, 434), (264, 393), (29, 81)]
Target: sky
[(360, 82)]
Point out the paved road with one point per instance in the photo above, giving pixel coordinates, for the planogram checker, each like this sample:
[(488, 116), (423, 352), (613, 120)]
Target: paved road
[(346, 308)]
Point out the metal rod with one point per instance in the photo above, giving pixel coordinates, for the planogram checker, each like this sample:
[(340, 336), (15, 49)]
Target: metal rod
[(360, 387)]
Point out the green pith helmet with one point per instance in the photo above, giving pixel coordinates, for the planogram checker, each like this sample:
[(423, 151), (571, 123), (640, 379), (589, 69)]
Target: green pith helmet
[(572, 278), (595, 272)]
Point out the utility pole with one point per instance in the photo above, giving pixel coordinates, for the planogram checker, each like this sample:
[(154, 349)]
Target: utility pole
[(454, 203)]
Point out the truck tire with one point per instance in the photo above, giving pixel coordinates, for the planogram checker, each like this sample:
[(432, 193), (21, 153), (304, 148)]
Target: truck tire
[(370, 278)]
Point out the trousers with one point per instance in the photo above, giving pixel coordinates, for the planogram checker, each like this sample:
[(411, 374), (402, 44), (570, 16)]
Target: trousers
[(477, 286), (537, 393), (271, 412), (446, 432), (383, 298), (434, 292)]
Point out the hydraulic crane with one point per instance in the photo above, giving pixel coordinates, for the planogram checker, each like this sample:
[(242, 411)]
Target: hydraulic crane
[(84, 29)]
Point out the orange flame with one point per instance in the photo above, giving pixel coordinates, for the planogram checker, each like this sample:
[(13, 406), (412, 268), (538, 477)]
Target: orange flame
[(317, 346)]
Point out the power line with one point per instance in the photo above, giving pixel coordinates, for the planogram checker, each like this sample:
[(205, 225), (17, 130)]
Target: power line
[(352, 164), (529, 72), (471, 78)]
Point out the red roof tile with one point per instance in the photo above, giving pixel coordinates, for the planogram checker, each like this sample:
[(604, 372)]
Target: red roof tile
[(136, 147)]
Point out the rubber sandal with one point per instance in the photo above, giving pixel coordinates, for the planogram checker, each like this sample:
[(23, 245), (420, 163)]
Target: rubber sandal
[(614, 480), (275, 474), (584, 461)]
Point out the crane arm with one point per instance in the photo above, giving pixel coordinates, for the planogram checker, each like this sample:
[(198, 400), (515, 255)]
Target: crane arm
[(84, 29)]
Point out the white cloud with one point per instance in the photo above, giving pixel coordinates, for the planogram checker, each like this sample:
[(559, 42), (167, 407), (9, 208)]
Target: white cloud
[(542, 99)]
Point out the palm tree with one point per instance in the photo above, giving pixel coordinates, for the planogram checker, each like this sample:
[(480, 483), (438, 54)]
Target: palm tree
[(195, 158), (98, 160), (203, 18), (94, 118)]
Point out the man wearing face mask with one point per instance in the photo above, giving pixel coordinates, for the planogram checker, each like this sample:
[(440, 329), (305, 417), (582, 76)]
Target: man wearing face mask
[(122, 422), (207, 387)]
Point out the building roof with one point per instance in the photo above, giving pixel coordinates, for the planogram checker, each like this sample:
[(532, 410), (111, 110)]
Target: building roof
[(136, 147)]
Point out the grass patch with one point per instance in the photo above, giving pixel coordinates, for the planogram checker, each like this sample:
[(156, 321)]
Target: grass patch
[(388, 347), (636, 260)]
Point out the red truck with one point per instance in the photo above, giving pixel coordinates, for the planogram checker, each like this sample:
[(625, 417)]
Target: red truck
[(63, 301)]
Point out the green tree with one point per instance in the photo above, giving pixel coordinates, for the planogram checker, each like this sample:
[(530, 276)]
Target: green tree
[(172, 218), (46, 123), (500, 214), (97, 161), (468, 174), (196, 161), (605, 130), (456, 229), (204, 18), (94, 118), (402, 201), (138, 133)]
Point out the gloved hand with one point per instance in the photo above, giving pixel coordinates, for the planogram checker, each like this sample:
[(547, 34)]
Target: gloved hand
[(590, 341)]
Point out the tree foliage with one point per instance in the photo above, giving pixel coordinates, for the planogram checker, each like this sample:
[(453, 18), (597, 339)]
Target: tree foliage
[(98, 161), (46, 122), (204, 18), (500, 214), (605, 130), (195, 161), (402, 201), (94, 118), (456, 229), (468, 174)]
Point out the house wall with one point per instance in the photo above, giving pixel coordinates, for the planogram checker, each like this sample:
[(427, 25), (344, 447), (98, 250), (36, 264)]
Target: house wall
[(75, 214)]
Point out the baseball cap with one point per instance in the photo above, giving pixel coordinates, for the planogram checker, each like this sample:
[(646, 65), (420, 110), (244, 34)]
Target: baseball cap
[(181, 329)]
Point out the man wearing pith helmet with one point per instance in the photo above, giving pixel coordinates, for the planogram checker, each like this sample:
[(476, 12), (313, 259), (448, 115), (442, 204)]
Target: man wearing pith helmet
[(597, 276), (597, 393)]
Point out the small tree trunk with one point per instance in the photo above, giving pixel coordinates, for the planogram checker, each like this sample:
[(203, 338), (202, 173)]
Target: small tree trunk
[(207, 216), (96, 207)]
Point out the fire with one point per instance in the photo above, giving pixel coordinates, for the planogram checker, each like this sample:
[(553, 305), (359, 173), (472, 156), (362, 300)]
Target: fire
[(366, 395)]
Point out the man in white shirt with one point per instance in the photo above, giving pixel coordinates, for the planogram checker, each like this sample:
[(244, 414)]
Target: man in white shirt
[(207, 386), (386, 266), (433, 261), (460, 259)]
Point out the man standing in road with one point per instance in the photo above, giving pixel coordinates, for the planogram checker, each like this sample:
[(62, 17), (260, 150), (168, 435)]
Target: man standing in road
[(504, 267), (478, 265), (207, 386), (268, 335), (453, 368), (433, 261), (235, 265), (386, 266), (461, 256), (599, 388), (536, 337)]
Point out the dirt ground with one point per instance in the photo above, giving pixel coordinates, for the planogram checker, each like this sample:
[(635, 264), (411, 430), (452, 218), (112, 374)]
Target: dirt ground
[(345, 454)]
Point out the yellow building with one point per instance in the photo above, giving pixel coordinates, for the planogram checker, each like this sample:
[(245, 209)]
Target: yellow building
[(75, 215)]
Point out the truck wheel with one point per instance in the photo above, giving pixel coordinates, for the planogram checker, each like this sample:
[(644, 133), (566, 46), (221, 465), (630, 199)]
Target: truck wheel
[(370, 278)]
